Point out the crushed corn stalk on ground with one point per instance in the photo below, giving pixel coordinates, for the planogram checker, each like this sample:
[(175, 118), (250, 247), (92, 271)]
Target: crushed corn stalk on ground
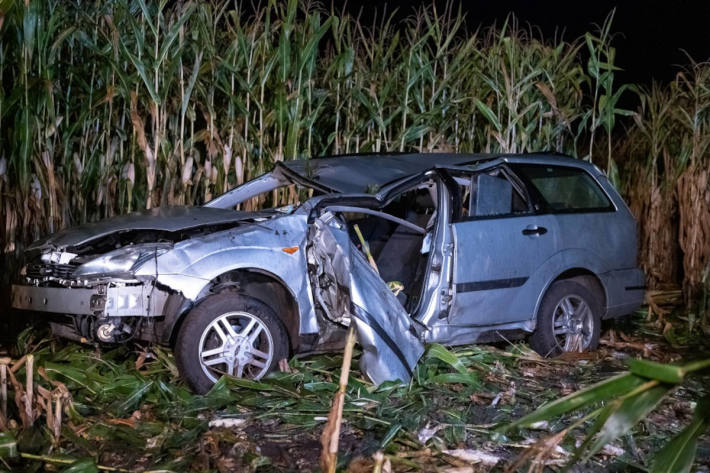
[(125, 410)]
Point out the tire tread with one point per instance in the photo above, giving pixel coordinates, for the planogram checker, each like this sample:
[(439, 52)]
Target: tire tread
[(187, 341)]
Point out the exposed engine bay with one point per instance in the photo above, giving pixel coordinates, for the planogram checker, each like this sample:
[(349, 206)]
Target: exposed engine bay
[(108, 302)]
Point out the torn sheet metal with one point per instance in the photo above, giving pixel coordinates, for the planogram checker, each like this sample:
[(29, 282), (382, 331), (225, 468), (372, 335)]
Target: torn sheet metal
[(329, 258), (391, 347), (357, 173)]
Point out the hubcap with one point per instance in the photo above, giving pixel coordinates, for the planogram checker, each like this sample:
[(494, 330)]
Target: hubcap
[(237, 344), (573, 324)]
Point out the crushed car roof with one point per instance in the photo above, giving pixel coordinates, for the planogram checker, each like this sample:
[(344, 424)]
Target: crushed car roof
[(366, 173), (361, 173)]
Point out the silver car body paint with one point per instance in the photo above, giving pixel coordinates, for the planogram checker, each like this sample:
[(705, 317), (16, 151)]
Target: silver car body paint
[(390, 346), (194, 263), (482, 276), (363, 174), (165, 219), (113, 300)]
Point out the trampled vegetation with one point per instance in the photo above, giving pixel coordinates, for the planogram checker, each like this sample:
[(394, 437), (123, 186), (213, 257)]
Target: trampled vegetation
[(109, 107), (125, 411)]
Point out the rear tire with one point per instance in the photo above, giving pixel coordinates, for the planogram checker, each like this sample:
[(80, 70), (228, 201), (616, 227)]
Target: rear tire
[(229, 333), (569, 319)]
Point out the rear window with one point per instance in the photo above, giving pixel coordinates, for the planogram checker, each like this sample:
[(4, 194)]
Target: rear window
[(566, 188)]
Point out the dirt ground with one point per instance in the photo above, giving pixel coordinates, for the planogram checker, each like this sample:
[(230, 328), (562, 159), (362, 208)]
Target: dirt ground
[(126, 409)]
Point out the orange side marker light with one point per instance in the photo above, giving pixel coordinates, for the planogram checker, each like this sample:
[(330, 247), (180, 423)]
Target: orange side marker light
[(290, 250)]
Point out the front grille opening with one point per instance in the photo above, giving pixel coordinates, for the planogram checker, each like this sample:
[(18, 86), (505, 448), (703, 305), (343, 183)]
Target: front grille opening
[(50, 270)]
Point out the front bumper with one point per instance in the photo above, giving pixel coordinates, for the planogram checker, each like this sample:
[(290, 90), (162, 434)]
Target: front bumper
[(142, 300)]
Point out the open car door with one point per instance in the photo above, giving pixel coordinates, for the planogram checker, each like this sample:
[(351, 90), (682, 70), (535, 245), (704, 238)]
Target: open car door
[(348, 290)]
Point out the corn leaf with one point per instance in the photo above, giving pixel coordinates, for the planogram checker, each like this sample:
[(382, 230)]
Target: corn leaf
[(677, 455), (8, 445), (391, 433), (134, 398), (661, 372), (191, 84), (599, 422), (146, 17), (447, 378), (665, 373), (598, 392), (166, 47), (488, 113), (439, 352), (140, 67), (82, 466), (627, 415)]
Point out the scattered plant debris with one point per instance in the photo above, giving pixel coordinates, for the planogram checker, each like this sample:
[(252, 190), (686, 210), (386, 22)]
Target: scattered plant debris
[(118, 414)]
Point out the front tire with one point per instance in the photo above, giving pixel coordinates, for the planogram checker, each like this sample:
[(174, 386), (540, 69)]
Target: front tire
[(569, 320), (231, 334)]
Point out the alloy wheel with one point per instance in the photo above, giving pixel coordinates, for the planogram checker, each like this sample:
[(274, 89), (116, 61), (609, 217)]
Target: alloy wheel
[(238, 344), (572, 324)]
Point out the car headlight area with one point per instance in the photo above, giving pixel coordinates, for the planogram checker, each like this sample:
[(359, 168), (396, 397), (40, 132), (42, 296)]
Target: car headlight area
[(122, 262)]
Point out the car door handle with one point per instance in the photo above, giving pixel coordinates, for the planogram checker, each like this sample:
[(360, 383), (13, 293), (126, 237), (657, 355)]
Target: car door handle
[(534, 230)]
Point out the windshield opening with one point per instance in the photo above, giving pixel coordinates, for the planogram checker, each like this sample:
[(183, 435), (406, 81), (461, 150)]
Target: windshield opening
[(273, 191), (285, 198)]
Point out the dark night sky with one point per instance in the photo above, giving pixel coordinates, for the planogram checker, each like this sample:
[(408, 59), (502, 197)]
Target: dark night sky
[(649, 35)]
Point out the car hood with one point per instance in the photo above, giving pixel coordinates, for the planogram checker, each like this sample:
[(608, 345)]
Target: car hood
[(164, 219)]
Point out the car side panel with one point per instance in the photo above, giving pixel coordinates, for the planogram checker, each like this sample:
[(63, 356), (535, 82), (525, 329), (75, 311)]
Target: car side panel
[(611, 238), (609, 235), (625, 289), (524, 302), (606, 244), (494, 264), (191, 265)]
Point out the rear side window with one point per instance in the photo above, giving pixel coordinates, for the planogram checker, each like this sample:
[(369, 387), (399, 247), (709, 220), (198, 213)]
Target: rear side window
[(566, 189)]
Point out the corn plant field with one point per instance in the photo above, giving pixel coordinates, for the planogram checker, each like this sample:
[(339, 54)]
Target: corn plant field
[(109, 107), (112, 107)]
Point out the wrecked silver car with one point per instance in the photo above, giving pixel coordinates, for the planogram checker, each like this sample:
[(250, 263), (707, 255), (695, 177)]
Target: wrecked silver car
[(463, 248)]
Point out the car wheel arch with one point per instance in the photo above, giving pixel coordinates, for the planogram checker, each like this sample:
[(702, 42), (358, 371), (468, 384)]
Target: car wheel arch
[(584, 276), (253, 282)]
